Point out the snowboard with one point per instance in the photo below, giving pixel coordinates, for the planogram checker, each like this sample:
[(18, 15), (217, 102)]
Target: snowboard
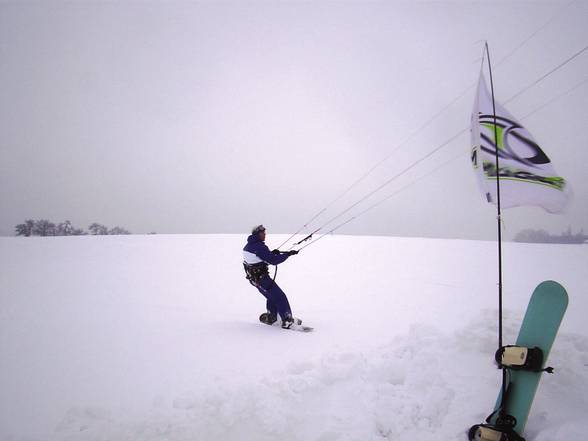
[(544, 314), (299, 328), (294, 327)]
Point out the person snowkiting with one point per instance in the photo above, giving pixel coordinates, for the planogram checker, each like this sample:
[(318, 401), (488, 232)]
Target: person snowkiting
[(256, 258)]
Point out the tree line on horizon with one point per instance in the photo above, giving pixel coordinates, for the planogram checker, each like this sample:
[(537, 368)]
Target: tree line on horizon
[(541, 236), (44, 227)]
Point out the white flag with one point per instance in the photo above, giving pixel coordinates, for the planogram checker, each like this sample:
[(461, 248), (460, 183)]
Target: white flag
[(526, 174)]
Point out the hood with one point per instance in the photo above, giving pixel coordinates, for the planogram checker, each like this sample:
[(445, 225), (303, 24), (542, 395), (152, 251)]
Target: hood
[(253, 238)]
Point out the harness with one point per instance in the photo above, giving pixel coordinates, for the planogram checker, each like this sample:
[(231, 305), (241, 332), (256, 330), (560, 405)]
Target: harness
[(254, 272)]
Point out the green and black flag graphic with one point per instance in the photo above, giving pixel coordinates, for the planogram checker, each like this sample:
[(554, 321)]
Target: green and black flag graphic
[(527, 176)]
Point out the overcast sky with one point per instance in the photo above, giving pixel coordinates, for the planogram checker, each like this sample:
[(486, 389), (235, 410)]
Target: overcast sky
[(185, 117)]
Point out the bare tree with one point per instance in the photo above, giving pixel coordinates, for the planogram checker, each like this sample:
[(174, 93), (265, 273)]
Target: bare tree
[(118, 230), (64, 229), (25, 229), (98, 229), (67, 229), (44, 227)]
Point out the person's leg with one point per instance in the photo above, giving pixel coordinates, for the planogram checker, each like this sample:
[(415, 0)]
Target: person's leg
[(276, 298), (271, 307)]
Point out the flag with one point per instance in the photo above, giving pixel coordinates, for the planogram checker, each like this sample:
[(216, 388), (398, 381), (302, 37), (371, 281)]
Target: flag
[(527, 176)]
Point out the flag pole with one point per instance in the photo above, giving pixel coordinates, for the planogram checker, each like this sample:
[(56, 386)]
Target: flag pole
[(499, 220)]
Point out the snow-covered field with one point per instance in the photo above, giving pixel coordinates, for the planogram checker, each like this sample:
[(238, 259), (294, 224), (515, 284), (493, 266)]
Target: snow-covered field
[(156, 338)]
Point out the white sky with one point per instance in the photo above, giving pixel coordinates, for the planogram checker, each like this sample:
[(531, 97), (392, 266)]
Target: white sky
[(213, 117)]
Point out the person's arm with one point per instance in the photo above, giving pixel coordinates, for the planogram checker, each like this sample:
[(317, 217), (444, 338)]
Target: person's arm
[(267, 256)]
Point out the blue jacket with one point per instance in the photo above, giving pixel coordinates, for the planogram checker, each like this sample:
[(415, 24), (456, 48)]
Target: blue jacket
[(258, 248)]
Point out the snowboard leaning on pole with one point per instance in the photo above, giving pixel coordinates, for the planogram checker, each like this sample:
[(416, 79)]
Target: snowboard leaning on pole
[(539, 329)]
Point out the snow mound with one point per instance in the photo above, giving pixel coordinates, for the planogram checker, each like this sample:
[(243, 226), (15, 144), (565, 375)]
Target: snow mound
[(425, 385)]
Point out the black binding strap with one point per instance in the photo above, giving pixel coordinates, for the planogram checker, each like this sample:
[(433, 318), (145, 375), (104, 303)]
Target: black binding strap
[(520, 358), (502, 428), (488, 432)]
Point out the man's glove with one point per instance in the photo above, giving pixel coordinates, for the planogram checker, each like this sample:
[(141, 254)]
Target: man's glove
[(276, 251), (292, 253)]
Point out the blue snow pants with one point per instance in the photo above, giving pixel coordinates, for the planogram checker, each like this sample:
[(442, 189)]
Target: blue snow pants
[(277, 302)]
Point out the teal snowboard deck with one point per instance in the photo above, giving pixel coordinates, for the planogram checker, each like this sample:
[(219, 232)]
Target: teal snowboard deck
[(539, 328)]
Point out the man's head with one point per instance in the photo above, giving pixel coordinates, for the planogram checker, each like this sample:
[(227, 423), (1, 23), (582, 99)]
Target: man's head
[(259, 231)]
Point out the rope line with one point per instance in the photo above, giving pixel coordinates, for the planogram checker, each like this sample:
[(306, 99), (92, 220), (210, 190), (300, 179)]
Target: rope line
[(530, 37), (441, 166), (426, 124), (555, 69), (581, 83), (377, 204), (387, 182)]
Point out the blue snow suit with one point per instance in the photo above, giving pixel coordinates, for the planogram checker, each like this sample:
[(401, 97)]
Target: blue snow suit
[(256, 251)]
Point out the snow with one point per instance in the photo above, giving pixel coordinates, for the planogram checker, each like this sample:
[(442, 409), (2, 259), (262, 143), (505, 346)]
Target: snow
[(156, 338)]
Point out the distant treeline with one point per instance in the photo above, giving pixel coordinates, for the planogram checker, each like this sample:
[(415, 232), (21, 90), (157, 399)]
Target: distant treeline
[(542, 236), (43, 227)]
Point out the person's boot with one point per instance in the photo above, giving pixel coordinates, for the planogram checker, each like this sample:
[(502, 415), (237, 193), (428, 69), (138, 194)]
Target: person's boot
[(288, 321), (268, 318)]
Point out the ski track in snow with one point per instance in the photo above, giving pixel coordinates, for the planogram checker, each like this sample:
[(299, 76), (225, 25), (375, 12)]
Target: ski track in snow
[(430, 381)]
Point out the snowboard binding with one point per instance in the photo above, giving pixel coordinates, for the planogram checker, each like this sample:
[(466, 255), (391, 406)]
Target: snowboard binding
[(520, 358), (487, 432), (290, 322), (499, 426)]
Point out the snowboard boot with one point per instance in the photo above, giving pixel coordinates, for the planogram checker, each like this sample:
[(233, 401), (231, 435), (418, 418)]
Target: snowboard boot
[(289, 321), (268, 318)]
